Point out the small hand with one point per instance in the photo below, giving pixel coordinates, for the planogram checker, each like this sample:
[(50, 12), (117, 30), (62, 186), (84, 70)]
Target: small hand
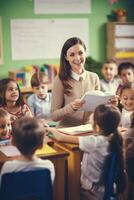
[(77, 103), (114, 101)]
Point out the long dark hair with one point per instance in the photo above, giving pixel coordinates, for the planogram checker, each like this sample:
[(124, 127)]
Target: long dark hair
[(65, 68), (3, 87), (108, 119)]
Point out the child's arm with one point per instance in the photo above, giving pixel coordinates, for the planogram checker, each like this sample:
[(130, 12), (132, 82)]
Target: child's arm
[(61, 137)]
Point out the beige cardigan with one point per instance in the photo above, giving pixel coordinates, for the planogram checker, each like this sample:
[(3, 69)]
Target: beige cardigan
[(61, 108)]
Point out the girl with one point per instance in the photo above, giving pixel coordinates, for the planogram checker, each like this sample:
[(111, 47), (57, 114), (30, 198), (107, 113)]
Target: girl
[(127, 104), (5, 125), (129, 149), (11, 99), (71, 84), (97, 149)]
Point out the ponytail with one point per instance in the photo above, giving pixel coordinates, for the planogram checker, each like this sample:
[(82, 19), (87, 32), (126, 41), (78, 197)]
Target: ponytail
[(116, 144)]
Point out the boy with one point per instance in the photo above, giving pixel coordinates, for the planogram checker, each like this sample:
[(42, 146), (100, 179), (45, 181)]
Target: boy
[(5, 125), (126, 73), (109, 71), (28, 136), (40, 101)]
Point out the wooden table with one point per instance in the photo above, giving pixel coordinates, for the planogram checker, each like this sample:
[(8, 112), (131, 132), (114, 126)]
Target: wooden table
[(59, 159), (74, 168)]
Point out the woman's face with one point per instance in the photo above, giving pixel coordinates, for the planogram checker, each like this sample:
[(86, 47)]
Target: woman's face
[(76, 57)]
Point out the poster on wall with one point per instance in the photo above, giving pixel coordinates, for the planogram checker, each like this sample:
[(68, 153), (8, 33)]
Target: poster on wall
[(44, 38), (62, 6)]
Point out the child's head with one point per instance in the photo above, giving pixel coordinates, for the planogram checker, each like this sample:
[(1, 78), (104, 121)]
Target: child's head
[(39, 83), (10, 91), (109, 70), (28, 135), (5, 124), (126, 72), (106, 119), (127, 96)]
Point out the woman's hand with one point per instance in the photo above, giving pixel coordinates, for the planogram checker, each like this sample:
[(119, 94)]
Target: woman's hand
[(77, 104)]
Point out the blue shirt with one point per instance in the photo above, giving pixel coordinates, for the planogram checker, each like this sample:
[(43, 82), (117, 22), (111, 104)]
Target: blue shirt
[(40, 107)]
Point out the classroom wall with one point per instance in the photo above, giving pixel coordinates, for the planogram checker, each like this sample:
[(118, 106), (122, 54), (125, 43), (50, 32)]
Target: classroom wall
[(13, 9)]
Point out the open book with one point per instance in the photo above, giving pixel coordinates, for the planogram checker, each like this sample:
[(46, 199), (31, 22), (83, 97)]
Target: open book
[(94, 98), (77, 130)]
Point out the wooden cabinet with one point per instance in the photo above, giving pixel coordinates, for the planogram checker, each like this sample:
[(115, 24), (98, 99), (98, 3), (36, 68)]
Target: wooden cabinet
[(120, 41)]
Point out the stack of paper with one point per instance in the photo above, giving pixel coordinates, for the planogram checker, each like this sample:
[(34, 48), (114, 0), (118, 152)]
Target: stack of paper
[(77, 130), (94, 98)]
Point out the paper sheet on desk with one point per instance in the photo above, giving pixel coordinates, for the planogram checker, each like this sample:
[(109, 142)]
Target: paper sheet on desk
[(94, 98), (77, 130), (10, 150)]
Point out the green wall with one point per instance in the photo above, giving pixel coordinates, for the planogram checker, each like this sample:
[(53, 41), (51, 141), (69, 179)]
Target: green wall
[(12, 9)]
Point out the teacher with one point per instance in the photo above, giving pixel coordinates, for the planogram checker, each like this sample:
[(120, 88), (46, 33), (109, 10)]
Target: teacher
[(72, 82)]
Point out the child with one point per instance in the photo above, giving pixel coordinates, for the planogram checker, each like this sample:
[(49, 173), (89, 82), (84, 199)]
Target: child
[(5, 125), (127, 103), (28, 136), (12, 100), (126, 73), (129, 147), (109, 83), (101, 145), (40, 101)]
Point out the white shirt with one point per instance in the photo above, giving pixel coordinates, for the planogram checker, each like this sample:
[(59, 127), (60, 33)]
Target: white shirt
[(39, 107), (96, 150), (21, 165), (109, 86), (125, 118), (77, 77)]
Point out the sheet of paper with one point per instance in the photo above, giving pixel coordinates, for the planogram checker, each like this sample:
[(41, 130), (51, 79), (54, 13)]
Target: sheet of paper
[(62, 6), (76, 130), (9, 150), (95, 98), (45, 150)]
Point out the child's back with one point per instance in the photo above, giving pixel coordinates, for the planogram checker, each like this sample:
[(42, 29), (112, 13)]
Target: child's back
[(28, 136)]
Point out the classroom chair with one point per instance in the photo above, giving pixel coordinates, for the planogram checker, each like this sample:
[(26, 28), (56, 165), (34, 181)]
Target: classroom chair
[(111, 177), (29, 185)]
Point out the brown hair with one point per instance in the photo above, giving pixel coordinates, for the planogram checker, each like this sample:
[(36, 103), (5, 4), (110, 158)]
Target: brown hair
[(108, 119), (3, 87), (28, 135), (38, 78), (65, 68)]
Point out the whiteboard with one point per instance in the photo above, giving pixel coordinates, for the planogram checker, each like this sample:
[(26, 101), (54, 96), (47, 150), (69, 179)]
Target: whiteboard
[(124, 30), (62, 6), (126, 43), (44, 38)]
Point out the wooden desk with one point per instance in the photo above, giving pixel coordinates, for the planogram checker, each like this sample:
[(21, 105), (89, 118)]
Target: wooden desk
[(74, 169), (59, 159)]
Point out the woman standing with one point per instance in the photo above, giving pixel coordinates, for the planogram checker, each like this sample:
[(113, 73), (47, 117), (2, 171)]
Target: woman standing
[(72, 82)]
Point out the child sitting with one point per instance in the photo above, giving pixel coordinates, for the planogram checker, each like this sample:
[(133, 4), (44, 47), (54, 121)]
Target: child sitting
[(129, 149), (40, 101), (126, 73), (109, 83), (126, 104), (5, 125), (12, 100), (97, 149), (28, 136)]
